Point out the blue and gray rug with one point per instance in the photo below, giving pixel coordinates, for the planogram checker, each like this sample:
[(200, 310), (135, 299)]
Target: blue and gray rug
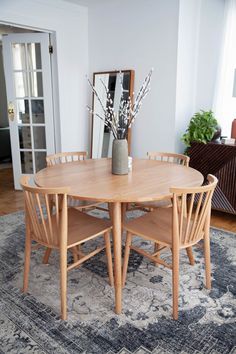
[(31, 324)]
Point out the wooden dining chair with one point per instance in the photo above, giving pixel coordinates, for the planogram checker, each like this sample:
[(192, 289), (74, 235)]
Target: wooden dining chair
[(165, 157), (169, 157), (178, 227), (57, 227), (82, 205), (66, 157)]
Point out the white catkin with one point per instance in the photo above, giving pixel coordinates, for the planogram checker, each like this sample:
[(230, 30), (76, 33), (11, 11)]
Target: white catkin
[(119, 122)]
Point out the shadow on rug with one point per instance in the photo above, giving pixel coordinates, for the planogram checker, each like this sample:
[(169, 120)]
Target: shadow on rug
[(31, 324)]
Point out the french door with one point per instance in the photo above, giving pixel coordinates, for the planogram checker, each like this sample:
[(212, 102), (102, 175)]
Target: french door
[(30, 108)]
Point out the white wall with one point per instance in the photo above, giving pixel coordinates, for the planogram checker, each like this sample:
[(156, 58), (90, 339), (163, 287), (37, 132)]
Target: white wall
[(209, 47), (139, 35), (70, 23), (181, 39), (224, 104), (199, 45), (189, 19)]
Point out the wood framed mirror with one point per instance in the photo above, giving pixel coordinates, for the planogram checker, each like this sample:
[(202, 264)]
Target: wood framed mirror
[(101, 136)]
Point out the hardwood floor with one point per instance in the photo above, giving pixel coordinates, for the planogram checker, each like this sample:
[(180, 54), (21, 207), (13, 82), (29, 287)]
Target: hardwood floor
[(223, 221), (12, 201)]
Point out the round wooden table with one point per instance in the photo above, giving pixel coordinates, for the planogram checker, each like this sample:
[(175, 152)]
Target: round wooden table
[(92, 179)]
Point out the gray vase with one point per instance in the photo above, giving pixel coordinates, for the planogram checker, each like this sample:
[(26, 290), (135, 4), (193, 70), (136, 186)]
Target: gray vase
[(120, 157)]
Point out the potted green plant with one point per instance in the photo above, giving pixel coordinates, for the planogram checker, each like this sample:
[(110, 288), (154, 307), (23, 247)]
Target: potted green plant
[(203, 127)]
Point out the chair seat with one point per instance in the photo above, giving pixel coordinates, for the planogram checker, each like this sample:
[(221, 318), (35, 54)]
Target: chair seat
[(155, 226), (165, 203), (81, 226)]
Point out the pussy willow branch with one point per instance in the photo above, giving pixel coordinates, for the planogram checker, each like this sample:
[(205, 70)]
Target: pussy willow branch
[(145, 88), (145, 84), (107, 123), (108, 113), (119, 122), (96, 94)]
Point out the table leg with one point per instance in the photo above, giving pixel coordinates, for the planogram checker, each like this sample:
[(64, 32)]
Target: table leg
[(116, 210)]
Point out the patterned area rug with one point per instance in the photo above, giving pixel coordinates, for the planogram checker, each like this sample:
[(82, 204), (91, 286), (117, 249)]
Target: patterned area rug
[(31, 324)]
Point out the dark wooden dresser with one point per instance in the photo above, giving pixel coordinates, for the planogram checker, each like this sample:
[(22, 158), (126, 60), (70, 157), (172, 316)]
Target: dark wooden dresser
[(219, 160)]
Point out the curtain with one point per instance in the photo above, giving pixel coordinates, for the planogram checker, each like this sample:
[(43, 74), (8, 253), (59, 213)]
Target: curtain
[(224, 104)]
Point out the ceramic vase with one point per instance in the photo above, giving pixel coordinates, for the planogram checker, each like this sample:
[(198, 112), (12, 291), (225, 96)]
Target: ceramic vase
[(120, 157)]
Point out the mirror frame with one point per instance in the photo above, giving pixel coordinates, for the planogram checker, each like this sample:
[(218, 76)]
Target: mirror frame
[(131, 90)]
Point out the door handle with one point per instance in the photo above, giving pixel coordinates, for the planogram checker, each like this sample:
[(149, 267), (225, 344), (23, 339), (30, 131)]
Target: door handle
[(10, 110)]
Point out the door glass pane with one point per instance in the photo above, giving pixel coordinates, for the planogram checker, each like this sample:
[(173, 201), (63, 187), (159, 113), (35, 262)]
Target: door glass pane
[(22, 107), (18, 52), (26, 162), (34, 56), (25, 137), (40, 160), (39, 138), (36, 84), (37, 111), (21, 86)]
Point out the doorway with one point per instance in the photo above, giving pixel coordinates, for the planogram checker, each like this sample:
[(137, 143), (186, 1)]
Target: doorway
[(26, 115), (10, 199)]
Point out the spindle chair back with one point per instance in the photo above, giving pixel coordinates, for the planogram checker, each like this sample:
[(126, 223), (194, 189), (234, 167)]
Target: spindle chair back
[(191, 207), (169, 157), (46, 219), (65, 157), (179, 227), (52, 224)]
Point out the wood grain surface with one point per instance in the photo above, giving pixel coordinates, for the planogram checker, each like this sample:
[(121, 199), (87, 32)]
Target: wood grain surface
[(92, 179)]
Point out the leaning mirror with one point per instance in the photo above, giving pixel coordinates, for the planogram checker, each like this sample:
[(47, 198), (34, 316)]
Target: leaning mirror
[(102, 137)]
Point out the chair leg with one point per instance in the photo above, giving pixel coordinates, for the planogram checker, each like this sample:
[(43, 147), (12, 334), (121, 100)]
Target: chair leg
[(63, 270), (47, 255), (27, 259), (78, 247), (109, 258), (124, 209), (75, 254), (110, 205), (126, 257), (156, 248), (207, 260), (175, 281), (189, 251), (207, 254)]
